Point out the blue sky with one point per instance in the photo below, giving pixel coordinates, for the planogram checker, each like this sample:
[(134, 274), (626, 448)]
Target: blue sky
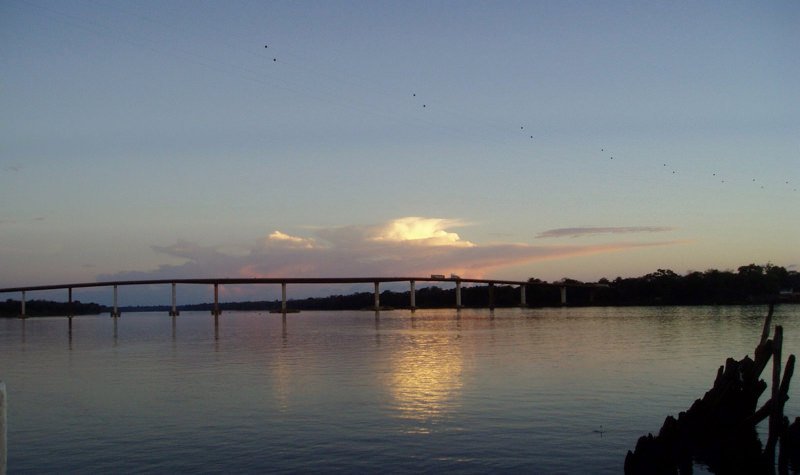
[(163, 139)]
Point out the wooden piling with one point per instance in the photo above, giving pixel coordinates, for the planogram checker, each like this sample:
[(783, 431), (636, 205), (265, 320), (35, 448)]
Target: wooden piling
[(720, 429)]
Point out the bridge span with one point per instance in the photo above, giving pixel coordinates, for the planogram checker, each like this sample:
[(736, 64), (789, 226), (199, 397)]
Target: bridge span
[(284, 281)]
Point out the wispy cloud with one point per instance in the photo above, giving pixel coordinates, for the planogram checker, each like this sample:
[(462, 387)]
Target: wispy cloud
[(21, 221), (588, 230), (411, 246)]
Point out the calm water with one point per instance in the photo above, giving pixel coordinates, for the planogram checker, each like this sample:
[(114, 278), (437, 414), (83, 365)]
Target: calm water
[(536, 390)]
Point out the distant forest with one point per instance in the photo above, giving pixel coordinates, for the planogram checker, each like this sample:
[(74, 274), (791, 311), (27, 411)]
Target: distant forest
[(750, 284), (44, 308)]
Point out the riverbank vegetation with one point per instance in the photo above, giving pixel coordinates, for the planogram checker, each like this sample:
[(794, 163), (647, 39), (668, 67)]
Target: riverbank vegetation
[(44, 308)]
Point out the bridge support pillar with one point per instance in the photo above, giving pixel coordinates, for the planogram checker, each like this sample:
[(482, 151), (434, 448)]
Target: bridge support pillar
[(215, 310), (522, 296), (377, 296), (22, 306), (283, 297), (115, 311), (491, 295), (69, 306), (174, 312), (413, 296), (458, 294), (563, 295)]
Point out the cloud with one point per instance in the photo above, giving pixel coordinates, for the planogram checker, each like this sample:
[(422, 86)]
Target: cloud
[(404, 247), (21, 221), (410, 246), (280, 237), (421, 231), (587, 230)]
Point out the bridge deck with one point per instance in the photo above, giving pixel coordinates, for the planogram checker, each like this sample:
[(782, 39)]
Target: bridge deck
[(268, 280)]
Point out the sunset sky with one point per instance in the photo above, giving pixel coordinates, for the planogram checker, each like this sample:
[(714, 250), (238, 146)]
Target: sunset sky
[(501, 140)]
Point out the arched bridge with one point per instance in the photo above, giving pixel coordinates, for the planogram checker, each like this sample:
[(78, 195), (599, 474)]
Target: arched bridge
[(284, 281)]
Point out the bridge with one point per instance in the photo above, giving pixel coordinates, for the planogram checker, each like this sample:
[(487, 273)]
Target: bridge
[(284, 281)]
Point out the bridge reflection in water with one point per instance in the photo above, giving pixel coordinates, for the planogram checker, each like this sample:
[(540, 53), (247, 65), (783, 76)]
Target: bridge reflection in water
[(458, 281)]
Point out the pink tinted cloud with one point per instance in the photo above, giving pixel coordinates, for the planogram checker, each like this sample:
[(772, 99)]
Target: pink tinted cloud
[(404, 247)]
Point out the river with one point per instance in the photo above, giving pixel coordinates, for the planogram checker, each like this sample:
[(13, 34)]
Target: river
[(556, 390)]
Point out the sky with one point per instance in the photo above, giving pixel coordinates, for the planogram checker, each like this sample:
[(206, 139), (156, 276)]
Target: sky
[(509, 140)]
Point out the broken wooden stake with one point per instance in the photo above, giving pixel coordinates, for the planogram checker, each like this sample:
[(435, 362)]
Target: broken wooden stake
[(719, 430)]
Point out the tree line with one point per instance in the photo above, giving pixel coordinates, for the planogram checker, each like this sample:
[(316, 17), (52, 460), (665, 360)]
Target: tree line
[(749, 284), (43, 308)]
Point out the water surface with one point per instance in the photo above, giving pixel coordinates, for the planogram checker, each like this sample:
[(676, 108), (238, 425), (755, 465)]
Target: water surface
[(541, 390)]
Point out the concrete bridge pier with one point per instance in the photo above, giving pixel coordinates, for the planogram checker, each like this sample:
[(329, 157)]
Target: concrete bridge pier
[(491, 295), (69, 306), (458, 295), (174, 312), (377, 296), (563, 295), (522, 299), (115, 311), (413, 296), (283, 298), (215, 311), (22, 306)]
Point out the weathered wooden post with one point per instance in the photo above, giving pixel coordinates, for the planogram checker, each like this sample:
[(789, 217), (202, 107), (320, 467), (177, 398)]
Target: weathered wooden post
[(720, 429), (3, 433), (563, 295)]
